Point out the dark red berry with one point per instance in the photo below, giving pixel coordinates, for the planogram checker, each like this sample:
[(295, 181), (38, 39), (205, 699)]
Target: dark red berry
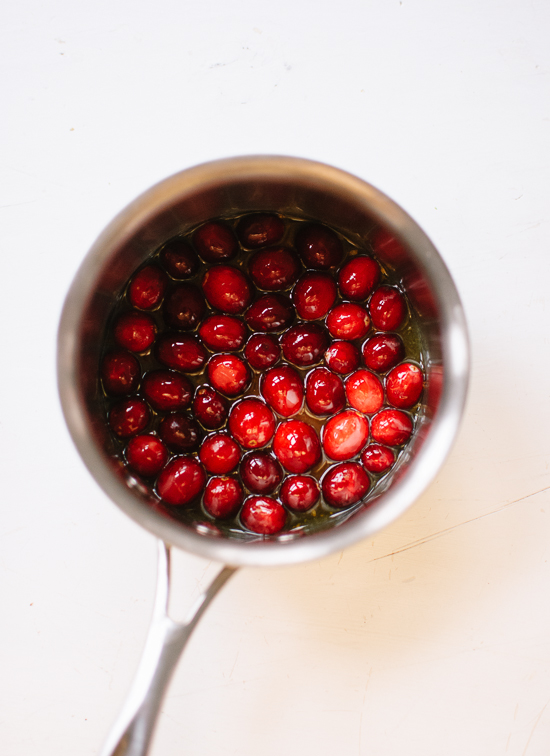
[(260, 472), (120, 373), (283, 390), (184, 307), (296, 446), (314, 295), (262, 351), (318, 246), (383, 351), (299, 493), (260, 230), (147, 287), (220, 454), (358, 277), (324, 392), (223, 497), (210, 408), (263, 515), (252, 423), (348, 321), (223, 333), (345, 484), (391, 427), (365, 392), (387, 247), (215, 241), (180, 433), (404, 385), (135, 331), (270, 313), (274, 269), (181, 352), (387, 308), (377, 458), (146, 455), (305, 344), (228, 374), (345, 435), (179, 259), (129, 417), (227, 289), (182, 480), (342, 357), (167, 391)]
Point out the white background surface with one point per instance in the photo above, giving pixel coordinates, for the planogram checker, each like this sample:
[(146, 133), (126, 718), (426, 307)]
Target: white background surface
[(434, 637)]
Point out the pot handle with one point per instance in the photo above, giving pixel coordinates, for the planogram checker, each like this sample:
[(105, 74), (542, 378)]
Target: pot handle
[(132, 732)]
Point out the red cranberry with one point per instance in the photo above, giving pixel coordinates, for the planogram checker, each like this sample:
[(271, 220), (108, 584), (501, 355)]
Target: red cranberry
[(220, 454), (262, 351), (223, 497), (228, 374), (223, 333), (383, 351), (358, 277), (181, 352), (324, 392), (184, 307), (387, 308), (167, 391), (404, 385), (263, 515), (314, 295), (299, 493), (391, 427), (270, 313), (283, 390), (135, 331), (129, 417), (365, 392), (304, 344), (120, 373), (210, 408), (179, 259), (180, 433), (147, 287), (387, 247), (318, 246), (274, 269), (260, 473), (345, 435), (215, 241), (227, 289), (348, 321), (182, 480), (342, 357), (296, 446), (251, 423), (146, 455), (260, 230), (377, 459), (345, 484)]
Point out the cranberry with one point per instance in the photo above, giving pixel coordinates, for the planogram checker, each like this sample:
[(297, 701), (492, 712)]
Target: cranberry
[(220, 454), (215, 241), (304, 344), (181, 481), (135, 331), (348, 321), (345, 484), (296, 446), (365, 392), (167, 391), (274, 269), (314, 295), (262, 351), (358, 277), (299, 492), (269, 313), (184, 307), (120, 373), (227, 289), (318, 246), (180, 433), (283, 390), (387, 308), (228, 374), (387, 247), (251, 423), (260, 230), (210, 408), (345, 435), (260, 473), (404, 385), (383, 351), (391, 427), (147, 287), (324, 392), (181, 352), (146, 455), (129, 417), (223, 497), (223, 333), (263, 515), (179, 259), (342, 357), (377, 458)]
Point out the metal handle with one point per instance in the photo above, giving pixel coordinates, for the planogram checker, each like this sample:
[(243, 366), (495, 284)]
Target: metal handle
[(132, 732)]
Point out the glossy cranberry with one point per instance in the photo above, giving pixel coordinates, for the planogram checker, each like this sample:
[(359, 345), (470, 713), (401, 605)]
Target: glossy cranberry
[(365, 392), (296, 446), (263, 515), (223, 497), (387, 308), (387, 247), (135, 331), (345, 435), (210, 408), (318, 246), (299, 492), (377, 458), (120, 373), (252, 423), (305, 344), (146, 455), (180, 433), (358, 277), (260, 230), (260, 473), (314, 295), (270, 313), (181, 352), (129, 417), (147, 287), (220, 454), (324, 392), (228, 374), (345, 484), (342, 357), (184, 307), (283, 390), (167, 391), (274, 269), (179, 259), (348, 321), (227, 289), (215, 241), (223, 333), (391, 427), (383, 351), (404, 385), (182, 480), (262, 351)]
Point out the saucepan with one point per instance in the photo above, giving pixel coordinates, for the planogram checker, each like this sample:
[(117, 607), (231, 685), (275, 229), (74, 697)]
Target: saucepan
[(299, 189)]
